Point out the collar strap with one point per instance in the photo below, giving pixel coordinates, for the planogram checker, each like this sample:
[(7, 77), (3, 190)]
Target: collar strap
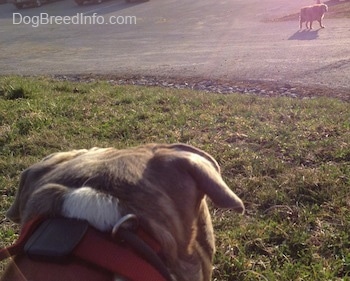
[(139, 250), (95, 248)]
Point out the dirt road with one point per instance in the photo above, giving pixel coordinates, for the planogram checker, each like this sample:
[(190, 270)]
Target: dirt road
[(224, 39)]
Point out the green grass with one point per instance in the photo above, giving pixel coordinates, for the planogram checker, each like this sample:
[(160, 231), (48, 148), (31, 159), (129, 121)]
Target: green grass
[(288, 159)]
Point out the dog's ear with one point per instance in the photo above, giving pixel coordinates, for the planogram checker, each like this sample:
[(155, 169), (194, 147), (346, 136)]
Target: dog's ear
[(30, 178), (210, 182), (26, 187), (205, 170), (189, 148)]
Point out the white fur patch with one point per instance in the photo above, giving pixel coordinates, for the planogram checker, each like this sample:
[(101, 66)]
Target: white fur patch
[(99, 209)]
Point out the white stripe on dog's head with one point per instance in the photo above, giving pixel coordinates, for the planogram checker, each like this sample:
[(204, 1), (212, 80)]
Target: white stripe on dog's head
[(99, 209)]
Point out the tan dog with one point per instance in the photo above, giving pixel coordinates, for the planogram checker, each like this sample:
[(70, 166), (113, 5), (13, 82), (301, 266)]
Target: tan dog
[(163, 185), (311, 13)]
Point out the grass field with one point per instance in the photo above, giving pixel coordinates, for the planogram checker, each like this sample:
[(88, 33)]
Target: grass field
[(288, 159)]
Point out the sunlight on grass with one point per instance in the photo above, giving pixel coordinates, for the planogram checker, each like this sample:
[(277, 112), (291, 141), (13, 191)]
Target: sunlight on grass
[(288, 159)]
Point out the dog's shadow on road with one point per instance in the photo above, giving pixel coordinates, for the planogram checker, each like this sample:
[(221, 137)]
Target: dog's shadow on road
[(305, 34)]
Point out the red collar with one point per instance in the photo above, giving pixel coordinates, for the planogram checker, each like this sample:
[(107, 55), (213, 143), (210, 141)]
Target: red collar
[(138, 251)]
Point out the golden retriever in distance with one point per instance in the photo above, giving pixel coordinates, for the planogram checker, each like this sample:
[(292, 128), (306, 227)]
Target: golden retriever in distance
[(311, 13)]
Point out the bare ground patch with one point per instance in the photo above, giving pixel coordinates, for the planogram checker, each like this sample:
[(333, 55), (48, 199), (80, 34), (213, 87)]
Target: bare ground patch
[(258, 88)]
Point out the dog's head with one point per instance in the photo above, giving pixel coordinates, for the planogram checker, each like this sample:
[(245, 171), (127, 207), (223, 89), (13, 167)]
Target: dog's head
[(319, 10), (324, 8), (163, 185)]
